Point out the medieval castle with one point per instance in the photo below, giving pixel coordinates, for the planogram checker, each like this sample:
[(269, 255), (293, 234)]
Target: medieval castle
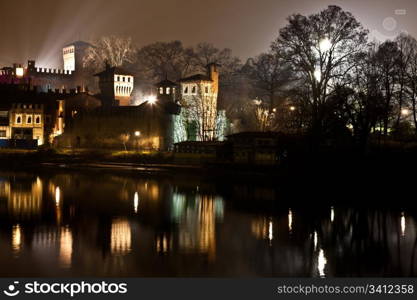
[(42, 105)]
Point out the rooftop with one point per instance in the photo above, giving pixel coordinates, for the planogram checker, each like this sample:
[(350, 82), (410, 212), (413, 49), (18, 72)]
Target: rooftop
[(79, 43), (196, 77), (114, 70)]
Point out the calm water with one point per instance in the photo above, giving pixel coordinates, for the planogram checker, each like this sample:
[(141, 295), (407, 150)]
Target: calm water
[(94, 224)]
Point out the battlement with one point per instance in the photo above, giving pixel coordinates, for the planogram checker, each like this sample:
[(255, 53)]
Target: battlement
[(33, 70), (62, 92), (49, 71)]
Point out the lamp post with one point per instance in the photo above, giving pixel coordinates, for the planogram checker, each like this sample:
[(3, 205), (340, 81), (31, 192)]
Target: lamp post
[(137, 135)]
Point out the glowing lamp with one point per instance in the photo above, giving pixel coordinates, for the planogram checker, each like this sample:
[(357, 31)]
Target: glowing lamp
[(151, 99), (137, 133), (405, 112), (292, 108), (19, 72)]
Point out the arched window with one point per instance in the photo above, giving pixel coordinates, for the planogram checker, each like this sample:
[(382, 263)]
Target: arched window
[(168, 90), (29, 120), (18, 120), (37, 120), (194, 90), (186, 90)]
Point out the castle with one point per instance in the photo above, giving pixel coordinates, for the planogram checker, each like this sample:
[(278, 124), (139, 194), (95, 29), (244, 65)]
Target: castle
[(173, 112)]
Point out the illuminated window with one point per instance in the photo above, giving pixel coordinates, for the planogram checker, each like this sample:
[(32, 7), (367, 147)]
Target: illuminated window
[(168, 90), (161, 90), (18, 119)]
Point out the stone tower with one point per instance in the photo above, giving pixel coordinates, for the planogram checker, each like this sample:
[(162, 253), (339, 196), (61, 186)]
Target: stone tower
[(116, 86), (73, 55)]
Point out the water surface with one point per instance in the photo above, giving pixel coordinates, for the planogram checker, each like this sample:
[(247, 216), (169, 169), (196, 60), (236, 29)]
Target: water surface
[(98, 224)]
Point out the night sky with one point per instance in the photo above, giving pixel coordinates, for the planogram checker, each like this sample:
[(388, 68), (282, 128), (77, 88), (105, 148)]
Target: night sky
[(38, 29)]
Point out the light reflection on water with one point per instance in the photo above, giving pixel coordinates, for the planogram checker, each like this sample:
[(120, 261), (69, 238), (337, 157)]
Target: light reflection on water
[(121, 226)]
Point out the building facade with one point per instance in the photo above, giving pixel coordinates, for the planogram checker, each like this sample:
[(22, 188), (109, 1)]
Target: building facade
[(199, 103), (116, 86)]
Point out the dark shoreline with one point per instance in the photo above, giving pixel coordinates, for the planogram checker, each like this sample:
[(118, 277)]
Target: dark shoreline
[(383, 179)]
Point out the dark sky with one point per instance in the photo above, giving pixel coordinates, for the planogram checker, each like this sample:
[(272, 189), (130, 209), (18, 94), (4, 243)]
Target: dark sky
[(37, 29)]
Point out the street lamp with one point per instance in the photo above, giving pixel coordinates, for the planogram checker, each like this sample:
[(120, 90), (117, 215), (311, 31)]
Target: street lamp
[(292, 108), (137, 135)]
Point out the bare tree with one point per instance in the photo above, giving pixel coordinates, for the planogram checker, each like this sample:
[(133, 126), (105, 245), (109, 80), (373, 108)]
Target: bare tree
[(117, 51), (269, 74), (320, 48), (201, 110), (161, 59), (387, 58)]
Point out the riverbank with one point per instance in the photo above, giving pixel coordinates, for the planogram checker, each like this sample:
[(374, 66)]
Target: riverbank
[(387, 163)]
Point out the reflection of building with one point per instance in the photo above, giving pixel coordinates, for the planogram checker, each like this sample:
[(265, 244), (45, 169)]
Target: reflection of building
[(65, 247), (197, 222), (23, 199), (120, 240)]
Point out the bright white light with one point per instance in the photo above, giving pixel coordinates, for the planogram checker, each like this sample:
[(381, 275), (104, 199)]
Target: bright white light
[(322, 261), (57, 195), (292, 108), (270, 231), (405, 112), (402, 224), (315, 239), (137, 133), (332, 214), (19, 72), (325, 45), (151, 99), (290, 220), (136, 202), (317, 75)]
